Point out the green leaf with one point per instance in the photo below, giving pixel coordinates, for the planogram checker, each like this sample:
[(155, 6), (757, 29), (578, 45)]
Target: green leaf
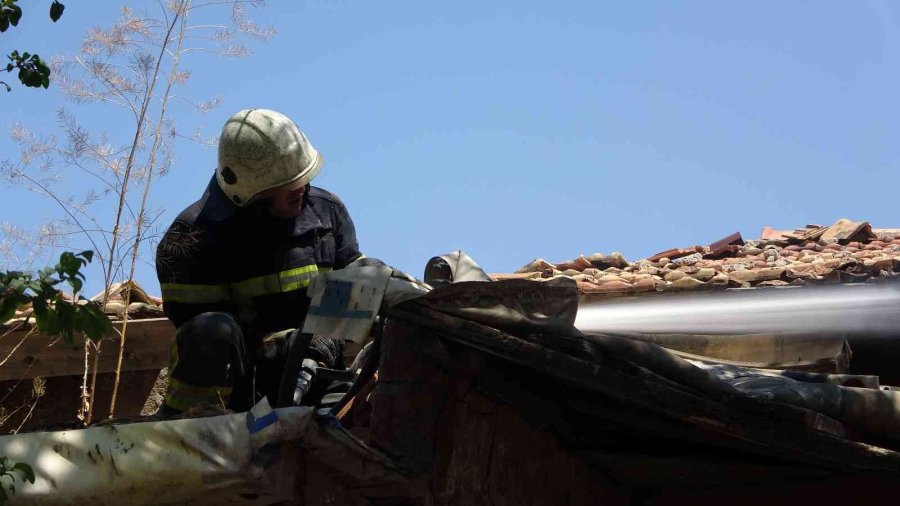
[(48, 322), (25, 76), (88, 255), (39, 305), (66, 314), (76, 284), (18, 283), (4, 24), (25, 471), (15, 15), (10, 67), (68, 264), (93, 322), (56, 10), (8, 306)]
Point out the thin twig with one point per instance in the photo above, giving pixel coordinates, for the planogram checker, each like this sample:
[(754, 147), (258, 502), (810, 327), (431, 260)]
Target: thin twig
[(140, 220), (128, 168), (27, 416), (16, 347), (50, 194)]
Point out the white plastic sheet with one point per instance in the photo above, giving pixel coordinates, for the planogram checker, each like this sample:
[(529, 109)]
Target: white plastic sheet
[(228, 459)]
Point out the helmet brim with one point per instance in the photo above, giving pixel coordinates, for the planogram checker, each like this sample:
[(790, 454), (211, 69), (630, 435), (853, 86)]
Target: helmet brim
[(300, 181)]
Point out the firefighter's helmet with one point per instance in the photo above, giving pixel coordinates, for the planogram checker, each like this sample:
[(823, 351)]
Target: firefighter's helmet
[(260, 149)]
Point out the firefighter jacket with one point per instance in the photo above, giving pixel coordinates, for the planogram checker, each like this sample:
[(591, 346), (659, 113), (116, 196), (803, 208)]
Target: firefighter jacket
[(217, 256)]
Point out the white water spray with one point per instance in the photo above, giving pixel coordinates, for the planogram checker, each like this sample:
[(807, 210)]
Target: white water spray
[(843, 309)]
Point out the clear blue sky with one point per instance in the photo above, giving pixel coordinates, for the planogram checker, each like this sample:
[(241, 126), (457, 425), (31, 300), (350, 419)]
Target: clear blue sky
[(516, 130)]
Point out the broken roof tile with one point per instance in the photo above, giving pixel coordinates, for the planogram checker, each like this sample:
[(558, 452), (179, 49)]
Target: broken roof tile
[(579, 264), (845, 230), (723, 251), (768, 234), (674, 253), (691, 259), (536, 265), (603, 261), (516, 275), (887, 234), (734, 239), (844, 252)]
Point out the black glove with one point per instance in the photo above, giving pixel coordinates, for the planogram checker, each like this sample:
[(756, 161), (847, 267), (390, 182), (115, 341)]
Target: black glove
[(326, 351)]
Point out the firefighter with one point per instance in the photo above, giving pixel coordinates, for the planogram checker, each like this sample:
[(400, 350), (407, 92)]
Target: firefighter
[(234, 266)]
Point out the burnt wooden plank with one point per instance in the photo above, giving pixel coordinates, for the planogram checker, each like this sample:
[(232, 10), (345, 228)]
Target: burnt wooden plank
[(147, 347), (735, 422)]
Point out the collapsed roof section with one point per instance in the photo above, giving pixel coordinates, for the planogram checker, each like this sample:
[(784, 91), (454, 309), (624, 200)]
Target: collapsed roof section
[(844, 252)]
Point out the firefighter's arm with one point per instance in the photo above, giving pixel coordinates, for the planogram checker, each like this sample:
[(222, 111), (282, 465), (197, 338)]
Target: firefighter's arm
[(187, 279), (345, 238)]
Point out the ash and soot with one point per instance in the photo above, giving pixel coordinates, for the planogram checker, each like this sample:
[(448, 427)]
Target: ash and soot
[(843, 309)]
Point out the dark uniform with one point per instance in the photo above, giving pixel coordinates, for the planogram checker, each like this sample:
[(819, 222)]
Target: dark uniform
[(231, 275)]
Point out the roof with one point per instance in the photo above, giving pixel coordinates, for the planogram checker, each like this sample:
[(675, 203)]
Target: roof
[(141, 304), (844, 252), (623, 392)]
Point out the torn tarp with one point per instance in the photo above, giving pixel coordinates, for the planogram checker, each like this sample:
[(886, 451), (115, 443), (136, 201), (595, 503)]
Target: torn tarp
[(873, 410), (518, 306), (453, 267)]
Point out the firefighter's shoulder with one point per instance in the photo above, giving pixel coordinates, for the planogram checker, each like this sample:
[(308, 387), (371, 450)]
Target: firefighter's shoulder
[(320, 193)]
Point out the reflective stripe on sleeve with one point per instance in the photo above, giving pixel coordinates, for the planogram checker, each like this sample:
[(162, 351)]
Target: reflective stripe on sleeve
[(242, 291), (183, 396), (279, 282)]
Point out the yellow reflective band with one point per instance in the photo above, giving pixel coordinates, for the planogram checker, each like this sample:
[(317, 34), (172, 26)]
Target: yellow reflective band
[(296, 279), (183, 396), (254, 287), (194, 294), (279, 282)]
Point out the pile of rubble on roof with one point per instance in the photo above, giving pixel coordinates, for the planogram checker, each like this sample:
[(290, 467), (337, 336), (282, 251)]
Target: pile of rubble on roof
[(141, 304), (844, 252)]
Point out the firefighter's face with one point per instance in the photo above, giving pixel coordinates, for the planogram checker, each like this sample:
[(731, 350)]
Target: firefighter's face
[(285, 201)]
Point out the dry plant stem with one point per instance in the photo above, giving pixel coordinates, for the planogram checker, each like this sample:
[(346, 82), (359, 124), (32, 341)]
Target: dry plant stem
[(126, 177), (16, 347), (129, 165), (185, 7), (46, 191), (85, 399), (10, 414), (24, 376), (37, 398), (25, 419), (17, 326), (90, 396)]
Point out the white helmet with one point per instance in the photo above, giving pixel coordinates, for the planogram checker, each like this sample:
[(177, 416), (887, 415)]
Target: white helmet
[(261, 149)]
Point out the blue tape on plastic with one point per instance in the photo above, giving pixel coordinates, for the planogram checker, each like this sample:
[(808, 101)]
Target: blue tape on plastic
[(336, 302), (255, 425)]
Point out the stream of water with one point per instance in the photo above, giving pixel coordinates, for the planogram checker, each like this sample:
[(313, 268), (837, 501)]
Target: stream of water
[(826, 310)]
